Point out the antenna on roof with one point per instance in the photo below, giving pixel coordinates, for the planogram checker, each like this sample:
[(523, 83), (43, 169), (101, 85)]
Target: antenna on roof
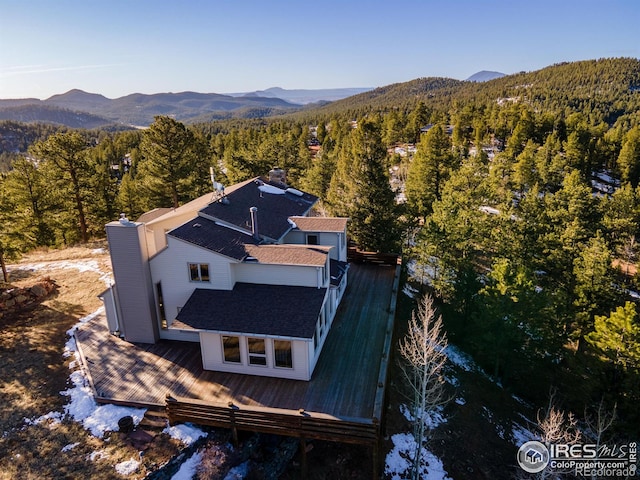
[(218, 188)]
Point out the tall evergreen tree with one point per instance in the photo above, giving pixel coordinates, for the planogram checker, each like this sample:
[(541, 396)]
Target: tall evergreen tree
[(168, 164), (430, 168), (360, 189), (67, 154), (629, 158)]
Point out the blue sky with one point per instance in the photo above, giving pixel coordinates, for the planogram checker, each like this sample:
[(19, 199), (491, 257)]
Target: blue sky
[(117, 47)]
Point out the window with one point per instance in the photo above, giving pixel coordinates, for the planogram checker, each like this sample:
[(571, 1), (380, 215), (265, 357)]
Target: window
[(199, 272), (163, 316), (312, 239), (231, 347), (282, 354), (257, 352)]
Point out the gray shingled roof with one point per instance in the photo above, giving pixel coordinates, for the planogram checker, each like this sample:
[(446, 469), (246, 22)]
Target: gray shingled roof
[(207, 234), (273, 209), (254, 309)]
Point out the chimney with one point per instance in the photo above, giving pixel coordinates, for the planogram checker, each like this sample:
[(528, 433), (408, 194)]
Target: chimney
[(278, 175), (254, 223)]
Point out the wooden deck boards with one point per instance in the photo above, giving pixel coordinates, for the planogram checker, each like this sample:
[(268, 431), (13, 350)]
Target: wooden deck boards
[(344, 383)]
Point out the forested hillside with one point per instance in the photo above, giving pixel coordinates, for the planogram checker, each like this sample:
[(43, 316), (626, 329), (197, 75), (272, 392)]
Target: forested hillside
[(516, 201)]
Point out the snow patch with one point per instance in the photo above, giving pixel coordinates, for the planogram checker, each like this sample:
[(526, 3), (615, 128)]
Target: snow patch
[(397, 463), (409, 291), (69, 447), (97, 419), (432, 419), (97, 455), (520, 434), (82, 406), (185, 432), (188, 468), (460, 359), (53, 417), (271, 189), (460, 401), (127, 467), (80, 265), (292, 223)]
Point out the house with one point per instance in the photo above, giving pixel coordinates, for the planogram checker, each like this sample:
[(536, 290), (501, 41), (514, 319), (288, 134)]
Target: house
[(244, 271)]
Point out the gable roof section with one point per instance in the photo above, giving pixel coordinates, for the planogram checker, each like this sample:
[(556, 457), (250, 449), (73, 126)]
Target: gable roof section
[(192, 206), (289, 254), (208, 234), (270, 310), (274, 209), (153, 214), (320, 224)]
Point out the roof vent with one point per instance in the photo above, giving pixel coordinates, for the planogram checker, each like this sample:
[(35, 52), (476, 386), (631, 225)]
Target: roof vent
[(125, 221), (254, 222)]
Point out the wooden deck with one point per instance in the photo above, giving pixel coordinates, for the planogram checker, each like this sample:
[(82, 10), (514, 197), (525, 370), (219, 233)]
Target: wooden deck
[(344, 384)]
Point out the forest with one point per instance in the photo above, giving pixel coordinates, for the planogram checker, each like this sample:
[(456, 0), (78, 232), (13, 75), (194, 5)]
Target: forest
[(516, 201)]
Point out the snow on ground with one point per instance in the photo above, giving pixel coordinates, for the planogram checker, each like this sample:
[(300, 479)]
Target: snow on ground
[(185, 432), (53, 418), (397, 463), (82, 407), (520, 434), (70, 446), (97, 455), (409, 291), (188, 468), (432, 419), (80, 265), (97, 419), (422, 273), (460, 359), (127, 467)]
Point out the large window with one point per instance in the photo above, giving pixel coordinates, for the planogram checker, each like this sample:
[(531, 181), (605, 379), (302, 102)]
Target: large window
[(282, 354), (199, 272), (231, 349), (257, 352)]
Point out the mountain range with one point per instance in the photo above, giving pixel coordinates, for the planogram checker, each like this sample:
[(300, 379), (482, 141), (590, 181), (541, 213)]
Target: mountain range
[(610, 87), (79, 109)]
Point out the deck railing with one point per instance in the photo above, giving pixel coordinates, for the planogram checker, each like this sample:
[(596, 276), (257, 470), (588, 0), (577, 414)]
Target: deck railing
[(291, 423)]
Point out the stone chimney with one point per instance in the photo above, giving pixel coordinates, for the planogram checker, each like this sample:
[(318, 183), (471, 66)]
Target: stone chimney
[(278, 175)]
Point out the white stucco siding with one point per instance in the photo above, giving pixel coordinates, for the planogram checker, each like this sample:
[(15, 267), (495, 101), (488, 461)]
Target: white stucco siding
[(171, 267), (294, 275), (213, 359)]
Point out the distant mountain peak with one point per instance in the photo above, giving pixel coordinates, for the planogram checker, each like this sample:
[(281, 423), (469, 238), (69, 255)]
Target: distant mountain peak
[(485, 76)]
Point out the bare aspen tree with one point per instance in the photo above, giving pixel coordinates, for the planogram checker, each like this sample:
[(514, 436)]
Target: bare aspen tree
[(598, 423), (554, 426), (423, 357)]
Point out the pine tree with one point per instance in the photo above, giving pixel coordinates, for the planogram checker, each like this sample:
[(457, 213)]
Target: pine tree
[(67, 155), (360, 190), (617, 337), (429, 170), (169, 161)]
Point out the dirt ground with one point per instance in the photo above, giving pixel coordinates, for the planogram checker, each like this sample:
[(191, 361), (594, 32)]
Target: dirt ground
[(33, 372)]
